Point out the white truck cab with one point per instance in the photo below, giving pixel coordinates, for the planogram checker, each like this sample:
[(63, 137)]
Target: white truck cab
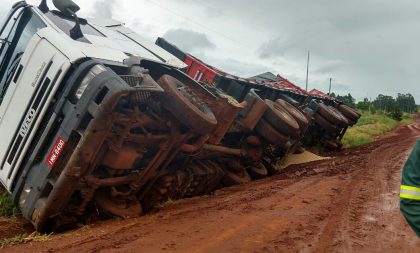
[(66, 85), (40, 40)]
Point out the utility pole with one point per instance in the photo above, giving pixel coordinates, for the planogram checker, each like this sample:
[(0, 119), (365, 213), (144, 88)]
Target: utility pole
[(329, 90), (307, 72)]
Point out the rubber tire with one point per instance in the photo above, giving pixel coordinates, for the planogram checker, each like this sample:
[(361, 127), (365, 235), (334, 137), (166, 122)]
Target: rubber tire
[(324, 123), (200, 121), (269, 133), (257, 171), (345, 121), (281, 120), (332, 115), (198, 171), (296, 113), (349, 113), (289, 100), (235, 177), (102, 199)]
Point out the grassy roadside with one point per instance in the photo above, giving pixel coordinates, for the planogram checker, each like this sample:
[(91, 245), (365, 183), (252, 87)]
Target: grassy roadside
[(370, 126), (7, 208), (24, 238)]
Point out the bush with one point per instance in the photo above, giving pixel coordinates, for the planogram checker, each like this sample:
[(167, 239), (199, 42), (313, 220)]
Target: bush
[(7, 207), (396, 114), (372, 110)]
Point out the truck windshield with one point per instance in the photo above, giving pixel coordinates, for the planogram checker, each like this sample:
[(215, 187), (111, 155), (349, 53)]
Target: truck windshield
[(22, 30), (66, 24)]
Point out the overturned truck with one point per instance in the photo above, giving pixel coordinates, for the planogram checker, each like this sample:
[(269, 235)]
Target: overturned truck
[(96, 120), (327, 118)]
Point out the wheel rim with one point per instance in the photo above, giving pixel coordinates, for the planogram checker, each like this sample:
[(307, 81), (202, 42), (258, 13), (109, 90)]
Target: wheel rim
[(186, 106), (281, 120)]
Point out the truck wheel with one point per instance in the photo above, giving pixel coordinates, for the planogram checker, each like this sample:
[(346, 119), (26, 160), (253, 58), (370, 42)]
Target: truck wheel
[(332, 115), (349, 112), (234, 177), (217, 175), (198, 184), (321, 121), (257, 171), (296, 113), (112, 206), (281, 120), (186, 106), (270, 133)]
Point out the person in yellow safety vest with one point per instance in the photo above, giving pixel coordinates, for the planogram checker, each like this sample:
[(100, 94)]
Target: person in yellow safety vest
[(410, 189)]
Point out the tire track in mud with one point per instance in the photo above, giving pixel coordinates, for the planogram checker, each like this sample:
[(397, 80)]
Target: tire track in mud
[(352, 222)]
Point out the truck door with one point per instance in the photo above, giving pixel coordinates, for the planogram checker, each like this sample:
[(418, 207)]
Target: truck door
[(15, 36)]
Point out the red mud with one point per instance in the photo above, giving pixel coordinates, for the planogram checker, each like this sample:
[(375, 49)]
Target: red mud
[(347, 204)]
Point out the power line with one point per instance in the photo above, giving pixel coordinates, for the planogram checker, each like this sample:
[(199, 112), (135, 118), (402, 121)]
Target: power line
[(307, 72), (200, 24)]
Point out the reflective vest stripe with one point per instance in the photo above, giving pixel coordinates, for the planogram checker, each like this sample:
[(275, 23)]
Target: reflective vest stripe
[(410, 192), (409, 196), (410, 188)]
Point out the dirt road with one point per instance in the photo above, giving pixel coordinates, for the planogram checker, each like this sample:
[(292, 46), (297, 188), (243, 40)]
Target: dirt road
[(346, 204)]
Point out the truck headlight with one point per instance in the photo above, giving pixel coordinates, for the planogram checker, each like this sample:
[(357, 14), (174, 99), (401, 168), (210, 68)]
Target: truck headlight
[(94, 71), (23, 195)]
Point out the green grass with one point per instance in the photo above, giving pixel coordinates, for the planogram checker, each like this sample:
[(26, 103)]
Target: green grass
[(7, 208), (407, 119), (370, 126), (24, 238), (13, 240)]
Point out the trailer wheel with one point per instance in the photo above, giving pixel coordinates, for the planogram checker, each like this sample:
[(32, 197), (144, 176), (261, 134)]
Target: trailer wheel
[(324, 123), (345, 121), (296, 113), (271, 134), (332, 115), (186, 106), (281, 120), (349, 112), (257, 171)]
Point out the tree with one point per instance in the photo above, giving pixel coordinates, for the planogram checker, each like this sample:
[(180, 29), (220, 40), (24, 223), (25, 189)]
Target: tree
[(406, 103), (363, 105), (384, 103), (348, 100)]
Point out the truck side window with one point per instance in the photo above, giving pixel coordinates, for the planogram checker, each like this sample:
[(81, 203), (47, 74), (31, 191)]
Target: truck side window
[(7, 27), (16, 36)]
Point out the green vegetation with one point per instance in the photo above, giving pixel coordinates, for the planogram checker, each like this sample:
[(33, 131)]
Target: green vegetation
[(24, 238), (370, 126), (380, 115), (7, 208), (13, 240), (347, 99), (395, 107)]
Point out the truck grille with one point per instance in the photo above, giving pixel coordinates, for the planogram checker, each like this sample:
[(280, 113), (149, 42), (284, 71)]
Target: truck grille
[(143, 95)]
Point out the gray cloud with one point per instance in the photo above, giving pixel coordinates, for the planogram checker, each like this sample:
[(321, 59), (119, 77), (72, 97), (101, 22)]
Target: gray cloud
[(373, 43), (271, 49), (103, 8), (190, 41), (236, 67), (367, 46), (329, 68)]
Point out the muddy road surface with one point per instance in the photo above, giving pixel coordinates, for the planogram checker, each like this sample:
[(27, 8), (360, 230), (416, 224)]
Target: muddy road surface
[(347, 204)]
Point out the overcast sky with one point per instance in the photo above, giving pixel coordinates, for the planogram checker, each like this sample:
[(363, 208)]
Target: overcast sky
[(367, 46)]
